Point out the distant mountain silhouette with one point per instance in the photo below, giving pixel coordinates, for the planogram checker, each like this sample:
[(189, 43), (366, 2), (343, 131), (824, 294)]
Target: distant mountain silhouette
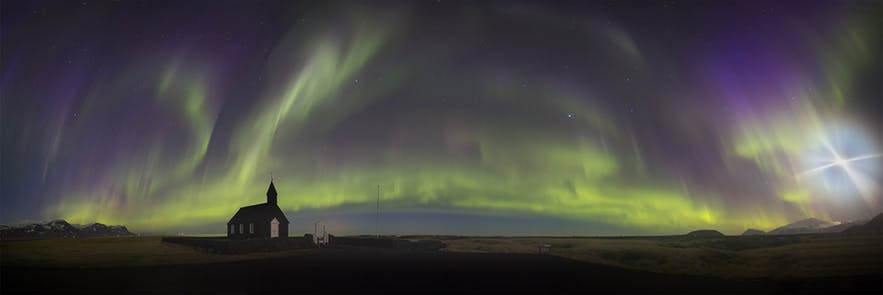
[(805, 226), (61, 228), (753, 232), (815, 225), (874, 226), (705, 233), (844, 226)]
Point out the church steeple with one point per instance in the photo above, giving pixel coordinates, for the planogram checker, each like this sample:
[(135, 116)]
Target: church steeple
[(271, 194)]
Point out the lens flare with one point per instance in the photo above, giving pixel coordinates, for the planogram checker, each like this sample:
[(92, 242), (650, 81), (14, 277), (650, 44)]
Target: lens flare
[(843, 162)]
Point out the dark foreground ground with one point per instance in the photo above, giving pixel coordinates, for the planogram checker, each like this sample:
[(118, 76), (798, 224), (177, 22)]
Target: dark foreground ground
[(371, 270)]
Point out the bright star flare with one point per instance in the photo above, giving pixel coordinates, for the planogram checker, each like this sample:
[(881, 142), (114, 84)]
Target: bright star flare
[(845, 164)]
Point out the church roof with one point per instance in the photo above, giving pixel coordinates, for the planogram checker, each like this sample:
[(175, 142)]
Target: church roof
[(259, 213), (272, 190)]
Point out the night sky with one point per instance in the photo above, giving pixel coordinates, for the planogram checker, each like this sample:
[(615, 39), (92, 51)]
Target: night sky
[(474, 117)]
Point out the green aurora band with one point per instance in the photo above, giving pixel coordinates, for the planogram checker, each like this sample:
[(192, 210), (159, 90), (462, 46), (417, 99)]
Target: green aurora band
[(486, 141)]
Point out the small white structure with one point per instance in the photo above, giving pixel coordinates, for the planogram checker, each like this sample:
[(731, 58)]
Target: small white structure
[(544, 248), (320, 238)]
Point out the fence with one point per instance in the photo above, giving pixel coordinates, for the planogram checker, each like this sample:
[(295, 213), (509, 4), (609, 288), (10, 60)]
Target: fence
[(427, 245), (226, 246)]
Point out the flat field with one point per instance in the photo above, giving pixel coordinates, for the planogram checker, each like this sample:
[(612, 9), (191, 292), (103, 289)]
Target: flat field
[(777, 257), (793, 264), (111, 252)]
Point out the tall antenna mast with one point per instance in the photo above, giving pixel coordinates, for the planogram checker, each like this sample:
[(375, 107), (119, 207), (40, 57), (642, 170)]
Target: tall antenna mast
[(377, 218)]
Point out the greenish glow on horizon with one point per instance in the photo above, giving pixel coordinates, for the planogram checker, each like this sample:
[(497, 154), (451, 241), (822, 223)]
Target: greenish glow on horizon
[(573, 143)]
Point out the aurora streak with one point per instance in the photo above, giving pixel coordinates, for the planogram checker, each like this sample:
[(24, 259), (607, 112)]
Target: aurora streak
[(475, 117)]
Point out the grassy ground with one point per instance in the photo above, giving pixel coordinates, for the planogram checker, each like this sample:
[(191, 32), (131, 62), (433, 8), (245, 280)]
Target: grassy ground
[(777, 257), (109, 252), (771, 257)]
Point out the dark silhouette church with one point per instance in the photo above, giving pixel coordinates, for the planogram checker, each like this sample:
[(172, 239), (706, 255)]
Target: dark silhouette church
[(259, 221)]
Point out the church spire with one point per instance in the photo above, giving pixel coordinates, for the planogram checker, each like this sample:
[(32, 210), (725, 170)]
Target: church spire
[(271, 193)]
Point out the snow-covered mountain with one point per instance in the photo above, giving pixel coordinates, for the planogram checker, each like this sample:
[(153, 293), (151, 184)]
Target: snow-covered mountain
[(815, 225), (61, 228), (104, 230), (805, 226)]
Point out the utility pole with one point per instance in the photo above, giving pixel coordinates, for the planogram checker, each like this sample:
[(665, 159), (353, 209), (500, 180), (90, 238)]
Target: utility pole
[(377, 218)]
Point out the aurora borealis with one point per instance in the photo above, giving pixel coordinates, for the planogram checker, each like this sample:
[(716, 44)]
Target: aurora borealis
[(475, 117)]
